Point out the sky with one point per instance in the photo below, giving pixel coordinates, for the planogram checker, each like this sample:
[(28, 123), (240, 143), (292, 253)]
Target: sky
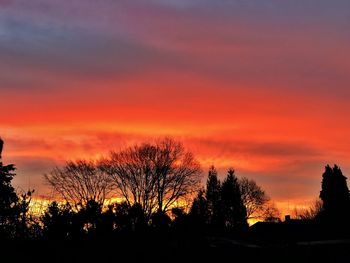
[(260, 86)]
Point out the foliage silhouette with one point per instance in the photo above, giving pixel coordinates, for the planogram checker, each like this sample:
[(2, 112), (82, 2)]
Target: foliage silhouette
[(233, 209), (59, 222), (160, 221), (180, 218), (334, 195), (213, 198), (8, 201), (130, 218), (14, 221), (220, 206), (157, 177), (199, 212), (1, 146)]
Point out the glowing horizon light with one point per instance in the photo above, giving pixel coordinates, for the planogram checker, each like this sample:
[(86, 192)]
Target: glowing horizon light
[(261, 87)]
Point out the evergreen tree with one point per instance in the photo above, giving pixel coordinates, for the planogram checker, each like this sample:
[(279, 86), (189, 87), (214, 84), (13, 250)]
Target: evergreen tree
[(199, 210), (90, 216), (13, 208), (213, 197), (1, 146), (335, 194), (9, 211), (58, 222), (234, 211), (130, 218)]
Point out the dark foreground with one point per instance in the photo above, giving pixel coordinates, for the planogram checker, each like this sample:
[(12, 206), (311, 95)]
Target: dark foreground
[(148, 249)]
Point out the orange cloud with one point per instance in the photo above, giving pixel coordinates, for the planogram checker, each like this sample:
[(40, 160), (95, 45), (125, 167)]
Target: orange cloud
[(262, 88)]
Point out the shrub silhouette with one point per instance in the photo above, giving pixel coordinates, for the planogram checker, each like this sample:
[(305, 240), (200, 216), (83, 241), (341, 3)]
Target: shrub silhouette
[(130, 218), (58, 222)]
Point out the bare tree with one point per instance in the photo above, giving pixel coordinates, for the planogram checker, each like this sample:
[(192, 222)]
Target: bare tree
[(79, 182), (131, 171), (254, 198), (177, 173), (271, 213), (154, 175), (310, 213)]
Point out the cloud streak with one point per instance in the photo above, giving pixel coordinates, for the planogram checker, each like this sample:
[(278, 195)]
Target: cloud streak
[(258, 85)]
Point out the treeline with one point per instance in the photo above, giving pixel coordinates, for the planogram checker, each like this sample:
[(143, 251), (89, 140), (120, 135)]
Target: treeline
[(160, 187)]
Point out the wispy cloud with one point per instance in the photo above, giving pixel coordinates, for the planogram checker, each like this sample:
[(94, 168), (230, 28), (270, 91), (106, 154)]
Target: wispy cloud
[(258, 85)]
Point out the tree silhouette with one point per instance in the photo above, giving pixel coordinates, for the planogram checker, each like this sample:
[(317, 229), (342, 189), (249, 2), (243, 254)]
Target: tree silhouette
[(254, 198), (199, 213), (13, 208), (107, 224), (58, 221), (130, 218), (132, 173), (271, 213), (311, 213), (335, 194), (91, 217), (25, 223), (79, 182), (213, 198), (1, 146), (9, 212), (160, 221), (234, 211), (180, 218), (155, 176)]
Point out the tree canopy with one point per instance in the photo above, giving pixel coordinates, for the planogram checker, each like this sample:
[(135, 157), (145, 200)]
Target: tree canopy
[(13, 207), (234, 211), (335, 194), (154, 175), (79, 182)]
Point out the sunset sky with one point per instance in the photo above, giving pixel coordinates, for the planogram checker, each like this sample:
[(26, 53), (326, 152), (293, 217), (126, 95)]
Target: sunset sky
[(261, 86)]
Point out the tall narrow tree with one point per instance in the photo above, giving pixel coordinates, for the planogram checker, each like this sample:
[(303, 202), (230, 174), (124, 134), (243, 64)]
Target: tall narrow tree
[(213, 197), (335, 194), (8, 201), (234, 211), (1, 146), (13, 207), (199, 210)]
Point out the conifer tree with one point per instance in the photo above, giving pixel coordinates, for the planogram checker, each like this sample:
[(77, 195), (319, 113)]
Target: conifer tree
[(13, 208), (199, 210), (213, 197), (335, 194), (234, 211), (8, 201)]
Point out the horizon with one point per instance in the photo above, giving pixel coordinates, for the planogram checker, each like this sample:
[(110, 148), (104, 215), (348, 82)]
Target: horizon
[(260, 87)]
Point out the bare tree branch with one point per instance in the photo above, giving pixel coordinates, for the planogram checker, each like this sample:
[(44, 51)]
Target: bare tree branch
[(80, 181), (254, 198), (154, 175)]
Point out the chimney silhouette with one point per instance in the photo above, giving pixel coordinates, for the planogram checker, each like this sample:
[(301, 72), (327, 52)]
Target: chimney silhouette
[(1, 146), (287, 218)]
